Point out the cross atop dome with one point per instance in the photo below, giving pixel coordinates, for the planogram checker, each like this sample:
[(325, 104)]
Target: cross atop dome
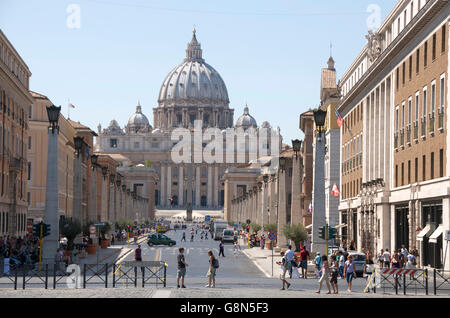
[(194, 50)]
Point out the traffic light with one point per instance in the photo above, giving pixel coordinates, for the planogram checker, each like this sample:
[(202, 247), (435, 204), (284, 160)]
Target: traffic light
[(332, 233), (128, 229), (37, 229), (322, 232), (46, 229)]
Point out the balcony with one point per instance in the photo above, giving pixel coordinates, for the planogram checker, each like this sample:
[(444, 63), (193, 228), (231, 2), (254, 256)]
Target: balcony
[(424, 128), (416, 131), (431, 124), (408, 135), (441, 119), (396, 140)]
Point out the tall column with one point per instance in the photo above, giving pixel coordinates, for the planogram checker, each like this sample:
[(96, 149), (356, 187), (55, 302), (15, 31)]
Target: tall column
[(296, 211), (77, 190), (51, 242), (361, 228), (318, 215), (209, 190), (197, 185), (264, 214), (163, 200), (93, 196), (216, 186), (180, 186), (273, 201), (169, 185), (282, 213)]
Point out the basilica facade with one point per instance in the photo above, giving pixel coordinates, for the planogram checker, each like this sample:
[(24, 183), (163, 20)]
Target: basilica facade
[(192, 96)]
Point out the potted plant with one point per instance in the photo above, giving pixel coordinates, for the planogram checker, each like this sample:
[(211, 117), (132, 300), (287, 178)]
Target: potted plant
[(270, 228), (69, 228), (104, 242), (91, 246), (296, 233)]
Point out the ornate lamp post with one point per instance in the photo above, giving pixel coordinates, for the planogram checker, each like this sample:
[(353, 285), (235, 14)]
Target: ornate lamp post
[(296, 209), (318, 216), (51, 242)]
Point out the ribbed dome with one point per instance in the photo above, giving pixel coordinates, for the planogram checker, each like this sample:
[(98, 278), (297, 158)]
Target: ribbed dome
[(246, 120), (138, 121), (194, 81)]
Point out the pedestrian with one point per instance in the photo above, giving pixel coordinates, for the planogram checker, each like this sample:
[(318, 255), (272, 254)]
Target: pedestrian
[(138, 254), (285, 265), (262, 241), (304, 254), (412, 263), (380, 258), (334, 274), (352, 245), (349, 272), (221, 248), (74, 255), (236, 249), (181, 272), (290, 258), (325, 271), (206, 235), (404, 252), (387, 258), (318, 265), (213, 266), (183, 238), (368, 267), (341, 264)]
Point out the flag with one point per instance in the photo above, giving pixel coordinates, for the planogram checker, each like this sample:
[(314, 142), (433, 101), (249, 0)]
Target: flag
[(335, 190), (339, 118), (71, 105), (310, 208)]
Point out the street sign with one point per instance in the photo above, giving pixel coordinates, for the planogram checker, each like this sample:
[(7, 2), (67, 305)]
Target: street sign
[(249, 221), (100, 224), (272, 236), (92, 229), (207, 218), (92, 236)]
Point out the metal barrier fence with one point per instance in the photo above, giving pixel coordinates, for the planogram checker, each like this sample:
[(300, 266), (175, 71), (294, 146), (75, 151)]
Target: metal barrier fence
[(399, 280), (85, 275), (441, 281)]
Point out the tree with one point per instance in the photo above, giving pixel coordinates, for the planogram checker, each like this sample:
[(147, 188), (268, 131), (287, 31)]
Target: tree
[(105, 230), (230, 223), (270, 227), (69, 229), (296, 233), (255, 227)]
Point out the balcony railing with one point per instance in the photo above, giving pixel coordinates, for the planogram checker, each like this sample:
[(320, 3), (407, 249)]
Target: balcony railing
[(416, 130), (424, 128), (431, 124), (441, 118)]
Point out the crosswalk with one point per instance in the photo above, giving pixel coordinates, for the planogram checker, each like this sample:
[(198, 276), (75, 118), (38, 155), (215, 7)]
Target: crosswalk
[(187, 250)]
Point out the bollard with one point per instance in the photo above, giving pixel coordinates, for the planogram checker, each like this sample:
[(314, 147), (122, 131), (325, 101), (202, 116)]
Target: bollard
[(114, 275), (434, 281), (106, 275), (46, 276), (84, 276)]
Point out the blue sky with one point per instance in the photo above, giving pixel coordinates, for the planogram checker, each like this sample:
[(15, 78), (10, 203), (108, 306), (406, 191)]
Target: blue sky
[(269, 52)]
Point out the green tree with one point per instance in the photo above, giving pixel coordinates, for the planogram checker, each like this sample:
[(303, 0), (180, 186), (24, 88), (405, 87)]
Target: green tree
[(230, 223), (296, 233), (69, 229), (270, 227), (105, 230), (255, 227)]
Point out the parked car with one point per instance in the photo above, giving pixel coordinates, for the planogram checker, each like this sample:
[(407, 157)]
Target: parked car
[(359, 261), (228, 235), (160, 239)]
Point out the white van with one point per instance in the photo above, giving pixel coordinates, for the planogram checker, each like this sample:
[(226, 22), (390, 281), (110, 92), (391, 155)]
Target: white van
[(228, 235)]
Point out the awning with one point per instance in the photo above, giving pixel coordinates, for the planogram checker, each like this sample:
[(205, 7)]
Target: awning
[(436, 234), (340, 226), (308, 226), (425, 232)]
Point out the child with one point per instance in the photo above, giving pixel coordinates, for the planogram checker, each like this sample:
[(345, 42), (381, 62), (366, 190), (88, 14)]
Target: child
[(334, 273), (324, 270)]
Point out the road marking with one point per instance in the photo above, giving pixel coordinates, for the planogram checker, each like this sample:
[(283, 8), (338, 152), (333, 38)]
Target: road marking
[(162, 294)]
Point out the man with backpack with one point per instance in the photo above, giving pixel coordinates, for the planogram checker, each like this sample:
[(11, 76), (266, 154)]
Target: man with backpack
[(181, 272)]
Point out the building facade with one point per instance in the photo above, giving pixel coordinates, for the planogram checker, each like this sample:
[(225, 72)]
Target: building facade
[(15, 108), (394, 143)]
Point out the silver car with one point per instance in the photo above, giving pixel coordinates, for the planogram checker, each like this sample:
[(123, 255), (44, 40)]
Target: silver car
[(359, 261)]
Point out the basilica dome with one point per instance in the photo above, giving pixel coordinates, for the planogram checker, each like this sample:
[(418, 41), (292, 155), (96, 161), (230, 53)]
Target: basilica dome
[(194, 82), (138, 122), (246, 120)]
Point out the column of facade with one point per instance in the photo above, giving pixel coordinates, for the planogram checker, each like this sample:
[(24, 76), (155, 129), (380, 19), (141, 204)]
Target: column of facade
[(360, 228), (376, 114), (282, 213), (112, 211), (382, 148), (181, 186), (264, 215), (216, 186), (209, 187), (163, 199), (197, 185), (296, 211), (169, 185)]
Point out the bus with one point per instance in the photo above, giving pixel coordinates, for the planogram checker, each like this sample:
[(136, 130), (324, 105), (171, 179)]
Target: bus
[(219, 226)]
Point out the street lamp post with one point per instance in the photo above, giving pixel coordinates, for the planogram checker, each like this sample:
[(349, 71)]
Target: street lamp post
[(282, 212), (296, 210), (318, 216), (51, 242)]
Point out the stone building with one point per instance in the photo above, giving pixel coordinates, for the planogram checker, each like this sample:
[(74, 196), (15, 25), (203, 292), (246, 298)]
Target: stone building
[(15, 109), (394, 143), (192, 91)]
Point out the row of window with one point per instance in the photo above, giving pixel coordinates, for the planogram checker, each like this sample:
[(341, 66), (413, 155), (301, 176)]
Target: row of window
[(351, 189), (352, 154), (13, 65), (408, 174), (21, 221)]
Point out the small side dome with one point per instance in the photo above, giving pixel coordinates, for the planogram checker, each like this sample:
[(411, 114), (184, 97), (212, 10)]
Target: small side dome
[(246, 120), (266, 125), (138, 122)]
